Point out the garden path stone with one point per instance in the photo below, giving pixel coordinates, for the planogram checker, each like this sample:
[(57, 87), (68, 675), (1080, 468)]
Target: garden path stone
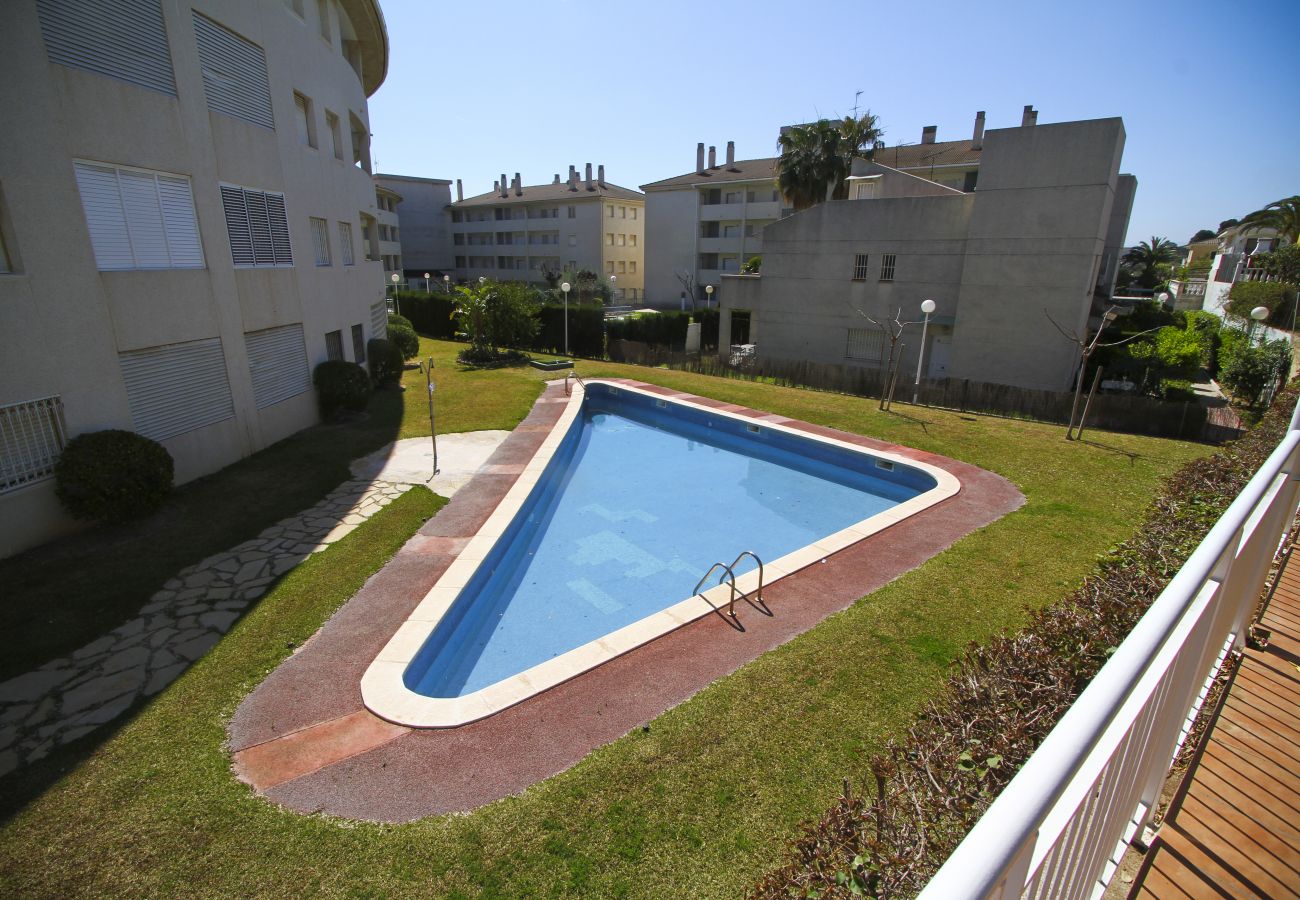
[(68, 698)]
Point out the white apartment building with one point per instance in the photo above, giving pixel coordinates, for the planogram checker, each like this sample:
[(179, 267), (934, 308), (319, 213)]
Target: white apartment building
[(424, 225), (183, 192), (709, 222), (518, 231), (1235, 256), (388, 234)]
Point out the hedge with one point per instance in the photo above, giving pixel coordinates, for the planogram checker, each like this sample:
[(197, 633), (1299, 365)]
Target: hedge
[(429, 314), (113, 476), (926, 790), (666, 329)]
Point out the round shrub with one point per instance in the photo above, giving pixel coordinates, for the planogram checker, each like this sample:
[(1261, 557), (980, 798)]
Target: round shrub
[(395, 319), (405, 339), (113, 476), (385, 362), (341, 385)]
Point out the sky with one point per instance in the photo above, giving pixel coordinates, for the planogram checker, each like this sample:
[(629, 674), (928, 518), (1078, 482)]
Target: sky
[(1207, 92)]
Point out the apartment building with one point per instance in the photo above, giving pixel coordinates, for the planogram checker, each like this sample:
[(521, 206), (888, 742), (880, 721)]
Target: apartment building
[(518, 231), (388, 237), (1235, 255), (709, 222), (1005, 264), (424, 225), (183, 192)]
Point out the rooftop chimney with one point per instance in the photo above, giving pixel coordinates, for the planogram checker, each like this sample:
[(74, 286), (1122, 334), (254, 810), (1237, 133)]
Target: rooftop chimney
[(600, 175), (557, 178), (505, 186), (519, 186), (1030, 117), (496, 187), (731, 155), (573, 178), (699, 157), (713, 157), (977, 139), (589, 187), (928, 133), (460, 191)]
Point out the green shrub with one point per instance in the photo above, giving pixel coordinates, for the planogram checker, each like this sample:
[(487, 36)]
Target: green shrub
[(395, 319), (385, 362), (1176, 389), (1179, 352), (1249, 370), (1278, 298), (429, 314), (512, 314), (405, 339), (113, 476), (341, 385)]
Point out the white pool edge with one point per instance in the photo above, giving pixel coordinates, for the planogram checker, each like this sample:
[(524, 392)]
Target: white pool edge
[(387, 696)]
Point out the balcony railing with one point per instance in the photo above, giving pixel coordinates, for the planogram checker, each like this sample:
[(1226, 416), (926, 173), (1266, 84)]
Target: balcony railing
[(1061, 825)]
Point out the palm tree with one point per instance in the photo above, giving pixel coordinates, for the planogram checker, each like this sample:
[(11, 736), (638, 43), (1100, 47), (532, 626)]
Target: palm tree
[(1283, 216), (1147, 258), (817, 157)]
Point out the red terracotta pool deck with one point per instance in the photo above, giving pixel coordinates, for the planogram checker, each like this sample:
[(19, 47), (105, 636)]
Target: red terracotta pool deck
[(304, 739)]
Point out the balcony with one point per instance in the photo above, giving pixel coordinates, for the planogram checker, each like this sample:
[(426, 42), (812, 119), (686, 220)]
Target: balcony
[(720, 211), (723, 244)]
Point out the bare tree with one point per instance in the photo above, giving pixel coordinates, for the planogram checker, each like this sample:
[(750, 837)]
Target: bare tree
[(893, 331), (1086, 349), (687, 280)]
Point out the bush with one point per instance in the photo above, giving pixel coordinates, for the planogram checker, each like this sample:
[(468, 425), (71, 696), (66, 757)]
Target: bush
[(1248, 371), (512, 314), (1176, 389), (429, 314), (405, 339), (385, 362), (341, 385), (1278, 298), (395, 319), (113, 476)]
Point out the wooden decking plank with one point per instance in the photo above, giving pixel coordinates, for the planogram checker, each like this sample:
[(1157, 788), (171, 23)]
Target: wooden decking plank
[(1261, 694), (1252, 726), (1258, 827), (1167, 878), (1240, 709), (1221, 865), (1255, 768)]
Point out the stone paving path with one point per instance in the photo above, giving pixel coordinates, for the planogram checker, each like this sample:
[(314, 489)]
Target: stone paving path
[(70, 697)]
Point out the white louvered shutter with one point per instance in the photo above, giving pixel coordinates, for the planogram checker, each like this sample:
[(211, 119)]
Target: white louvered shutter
[(143, 219), (235, 82), (125, 39), (177, 388), (180, 222), (277, 361), (139, 219), (105, 218), (379, 319)]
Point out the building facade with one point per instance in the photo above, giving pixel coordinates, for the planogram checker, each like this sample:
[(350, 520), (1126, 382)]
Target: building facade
[(424, 223), (183, 192), (388, 233), (1010, 265), (519, 232)]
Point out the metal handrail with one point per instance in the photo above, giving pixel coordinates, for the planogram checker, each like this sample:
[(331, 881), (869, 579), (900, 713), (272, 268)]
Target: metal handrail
[(754, 556), (717, 565), (576, 377)]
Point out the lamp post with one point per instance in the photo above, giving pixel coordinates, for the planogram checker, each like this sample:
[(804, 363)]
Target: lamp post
[(708, 296), (613, 296), (927, 307), (1162, 298), (446, 283), (428, 285), (395, 278), (565, 287), (1258, 314)]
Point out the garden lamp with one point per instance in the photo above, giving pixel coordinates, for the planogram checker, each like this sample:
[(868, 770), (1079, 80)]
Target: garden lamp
[(565, 287), (927, 307)]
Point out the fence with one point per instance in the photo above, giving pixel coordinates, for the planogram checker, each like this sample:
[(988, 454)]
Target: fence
[(1059, 827)]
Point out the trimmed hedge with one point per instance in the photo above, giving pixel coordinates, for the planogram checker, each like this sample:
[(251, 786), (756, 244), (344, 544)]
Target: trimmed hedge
[(927, 789), (113, 476), (429, 314), (405, 339), (341, 385), (385, 362), (666, 329)]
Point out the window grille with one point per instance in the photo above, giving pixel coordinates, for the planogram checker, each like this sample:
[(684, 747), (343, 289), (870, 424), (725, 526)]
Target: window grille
[(358, 343), (32, 436), (865, 344), (345, 243), (887, 267), (320, 238), (139, 219), (860, 267), (257, 226), (334, 345)]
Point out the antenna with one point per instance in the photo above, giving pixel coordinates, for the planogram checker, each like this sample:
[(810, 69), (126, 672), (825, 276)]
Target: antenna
[(855, 103)]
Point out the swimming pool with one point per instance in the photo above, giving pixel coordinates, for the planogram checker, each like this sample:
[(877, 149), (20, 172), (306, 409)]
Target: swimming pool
[(597, 547)]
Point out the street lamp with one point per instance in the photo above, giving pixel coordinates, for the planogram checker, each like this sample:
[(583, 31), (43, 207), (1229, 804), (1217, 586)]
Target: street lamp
[(708, 295), (1162, 298), (395, 278), (446, 283), (1258, 314), (927, 307), (613, 295), (565, 287), (428, 285)]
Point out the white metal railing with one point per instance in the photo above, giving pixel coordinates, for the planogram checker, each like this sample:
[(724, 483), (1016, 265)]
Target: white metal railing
[(32, 436), (1058, 829)]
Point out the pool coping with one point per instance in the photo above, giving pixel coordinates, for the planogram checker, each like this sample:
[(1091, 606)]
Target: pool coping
[(383, 687), (303, 739)]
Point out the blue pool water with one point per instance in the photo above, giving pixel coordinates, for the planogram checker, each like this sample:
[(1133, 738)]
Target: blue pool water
[(638, 501)]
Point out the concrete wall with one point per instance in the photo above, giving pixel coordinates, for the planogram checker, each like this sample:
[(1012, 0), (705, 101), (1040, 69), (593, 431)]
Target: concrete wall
[(672, 229), (424, 221), (63, 322)]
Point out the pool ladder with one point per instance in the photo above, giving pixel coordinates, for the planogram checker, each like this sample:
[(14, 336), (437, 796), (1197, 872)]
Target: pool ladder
[(576, 377), (729, 573)]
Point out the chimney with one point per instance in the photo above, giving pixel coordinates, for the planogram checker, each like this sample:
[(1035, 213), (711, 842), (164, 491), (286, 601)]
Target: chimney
[(977, 139), (928, 133), (496, 187), (505, 186), (460, 191), (1030, 117), (731, 155), (573, 178), (713, 157), (519, 186), (557, 178), (600, 175), (699, 157), (589, 187)]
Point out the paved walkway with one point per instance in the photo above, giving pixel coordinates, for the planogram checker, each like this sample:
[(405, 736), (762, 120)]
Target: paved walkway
[(70, 697)]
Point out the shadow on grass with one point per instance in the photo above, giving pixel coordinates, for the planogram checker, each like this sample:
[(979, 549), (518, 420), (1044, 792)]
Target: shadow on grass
[(1132, 456)]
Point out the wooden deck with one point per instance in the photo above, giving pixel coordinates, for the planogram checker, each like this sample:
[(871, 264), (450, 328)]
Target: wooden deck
[(1233, 829)]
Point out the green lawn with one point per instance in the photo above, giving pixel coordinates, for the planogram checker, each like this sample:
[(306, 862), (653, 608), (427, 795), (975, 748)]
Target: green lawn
[(698, 805)]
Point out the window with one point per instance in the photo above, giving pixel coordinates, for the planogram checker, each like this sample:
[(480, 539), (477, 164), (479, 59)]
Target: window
[(631, 266), (360, 143), (336, 135), (865, 190), (622, 267), (733, 197), (609, 267), (358, 344), (622, 240), (631, 239), (277, 364), (573, 212), (634, 213), (730, 264), (573, 240), (458, 239), (257, 226), (234, 73), (622, 212), (125, 40), (750, 196), (139, 219), (305, 120), (345, 243), (572, 265), (609, 239), (887, 267), (860, 267), (32, 436), (610, 207), (864, 343), (731, 231), (177, 388), (320, 238), (323, 12), (334, 346), (460, 262)]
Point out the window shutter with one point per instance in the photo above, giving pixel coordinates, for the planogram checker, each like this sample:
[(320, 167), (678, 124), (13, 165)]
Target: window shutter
[(378, 319), (143, 219), (180, 223), (177, 388), (258, 227), (320, 238), (261, 226), (125, 39), (234, 73), (237, 227), (280, 247), (277, 361), (104, 217), (139, 219)]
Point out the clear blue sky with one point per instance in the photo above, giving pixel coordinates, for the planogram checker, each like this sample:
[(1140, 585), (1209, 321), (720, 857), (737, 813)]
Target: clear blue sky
[(1208, 94)]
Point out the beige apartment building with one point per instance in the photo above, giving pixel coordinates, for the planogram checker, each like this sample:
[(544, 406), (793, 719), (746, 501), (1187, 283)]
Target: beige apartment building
[(518, 231), (184, 189)]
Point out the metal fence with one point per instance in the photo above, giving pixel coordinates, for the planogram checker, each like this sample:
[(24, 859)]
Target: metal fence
[(1059, 828)]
